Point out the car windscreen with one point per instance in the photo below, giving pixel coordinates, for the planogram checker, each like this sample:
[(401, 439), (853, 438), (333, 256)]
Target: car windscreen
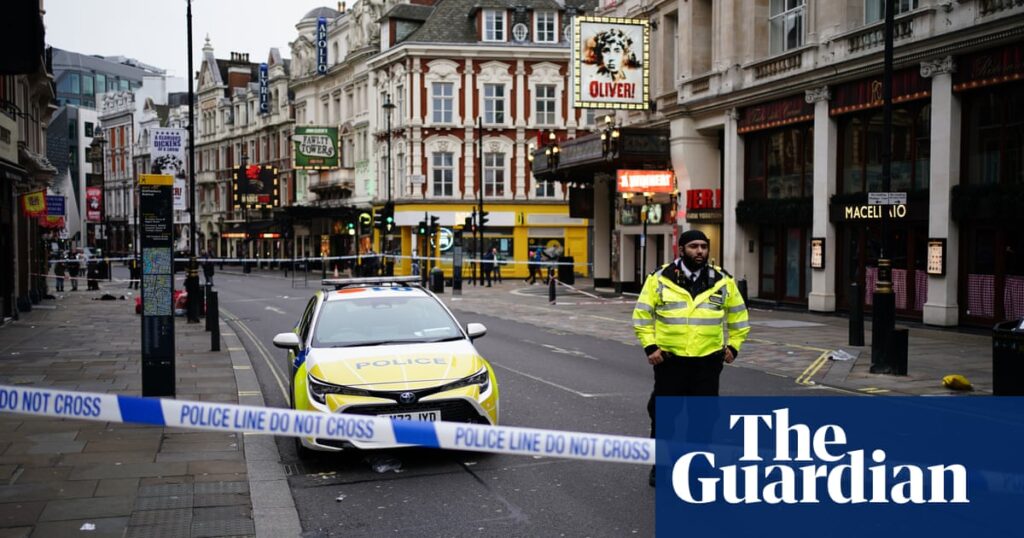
[(383, 320)]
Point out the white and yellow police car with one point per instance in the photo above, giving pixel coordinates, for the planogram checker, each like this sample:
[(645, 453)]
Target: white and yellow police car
[(386, 347)]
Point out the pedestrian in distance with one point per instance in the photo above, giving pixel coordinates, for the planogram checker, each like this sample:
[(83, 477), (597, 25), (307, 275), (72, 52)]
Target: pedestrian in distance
[(487, 267), (534, 266), (74, 269), (691, 321), (208, 268), (58, 272), (497, 264)]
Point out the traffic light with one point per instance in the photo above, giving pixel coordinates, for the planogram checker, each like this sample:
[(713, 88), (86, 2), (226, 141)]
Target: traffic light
[(483, 218), (378, 219), (389, 216), (434, 227), (351, 227), (421, 228)]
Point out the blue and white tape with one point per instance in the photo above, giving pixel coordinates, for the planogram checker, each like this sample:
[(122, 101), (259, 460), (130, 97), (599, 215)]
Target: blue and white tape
[(338, 426)]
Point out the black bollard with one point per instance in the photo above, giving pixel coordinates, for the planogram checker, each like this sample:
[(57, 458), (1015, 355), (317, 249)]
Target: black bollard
[(856, 315), (551, 290), (213, 320)]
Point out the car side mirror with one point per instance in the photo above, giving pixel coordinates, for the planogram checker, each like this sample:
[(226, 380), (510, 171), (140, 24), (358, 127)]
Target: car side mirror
[(288, 341), (476, 330)]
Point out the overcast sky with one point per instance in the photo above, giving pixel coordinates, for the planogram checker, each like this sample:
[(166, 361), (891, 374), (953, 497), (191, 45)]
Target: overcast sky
[(154, 32)]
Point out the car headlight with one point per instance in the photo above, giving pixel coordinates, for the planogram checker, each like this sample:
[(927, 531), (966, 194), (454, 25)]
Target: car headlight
[(320, 389), (481, 378)]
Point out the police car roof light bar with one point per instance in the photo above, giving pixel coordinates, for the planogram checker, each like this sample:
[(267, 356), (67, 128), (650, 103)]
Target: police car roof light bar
[(340, 283)]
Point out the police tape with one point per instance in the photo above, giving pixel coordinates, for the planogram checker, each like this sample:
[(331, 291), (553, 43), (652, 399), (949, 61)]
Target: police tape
[(337, 426)]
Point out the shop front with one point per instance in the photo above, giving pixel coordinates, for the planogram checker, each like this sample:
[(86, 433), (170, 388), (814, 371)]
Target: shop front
[(622, 251), (988, 202), (856, 108), (778, 141), (516, 230)]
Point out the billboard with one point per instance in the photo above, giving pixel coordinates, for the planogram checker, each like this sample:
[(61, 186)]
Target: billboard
[(611, 63), (94, 204), (264, 90), (316, 148), (255, 186), (645, 181)]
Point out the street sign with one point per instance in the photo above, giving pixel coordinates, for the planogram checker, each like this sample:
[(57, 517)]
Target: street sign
[(887, 198)]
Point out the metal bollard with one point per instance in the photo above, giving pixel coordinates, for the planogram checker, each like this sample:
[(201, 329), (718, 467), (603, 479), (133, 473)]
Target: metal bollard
[(551, 290), (856, 315), (213, 320)]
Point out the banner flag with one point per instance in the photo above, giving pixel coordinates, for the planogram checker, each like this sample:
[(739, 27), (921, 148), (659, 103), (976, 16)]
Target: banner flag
[(33, 204)]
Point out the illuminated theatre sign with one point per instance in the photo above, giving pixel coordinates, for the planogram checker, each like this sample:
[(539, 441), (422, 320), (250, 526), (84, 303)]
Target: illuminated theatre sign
[(611, 63)]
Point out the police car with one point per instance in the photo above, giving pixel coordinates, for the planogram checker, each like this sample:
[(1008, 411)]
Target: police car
[(386, 347)]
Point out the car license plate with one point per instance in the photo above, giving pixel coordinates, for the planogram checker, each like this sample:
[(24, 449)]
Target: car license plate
[(432, 416)]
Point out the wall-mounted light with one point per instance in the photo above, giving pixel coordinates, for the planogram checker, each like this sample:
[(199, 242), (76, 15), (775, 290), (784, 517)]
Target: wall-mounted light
[(529, 152)]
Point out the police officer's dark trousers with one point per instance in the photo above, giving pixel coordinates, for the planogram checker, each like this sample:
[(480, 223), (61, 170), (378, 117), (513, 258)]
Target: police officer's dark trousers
[(685, 376)]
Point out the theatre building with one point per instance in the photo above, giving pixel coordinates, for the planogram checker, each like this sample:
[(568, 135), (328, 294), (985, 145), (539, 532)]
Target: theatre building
[(775, 136)]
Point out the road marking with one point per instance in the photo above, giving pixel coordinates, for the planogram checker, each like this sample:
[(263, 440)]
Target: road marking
[(546, 382), (873, 390), (275, 309), (809, 372), (556, 349), (262, 350)]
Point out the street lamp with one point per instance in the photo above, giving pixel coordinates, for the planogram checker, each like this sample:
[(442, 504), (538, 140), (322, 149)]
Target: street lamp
[(388, 106), (192, 278)]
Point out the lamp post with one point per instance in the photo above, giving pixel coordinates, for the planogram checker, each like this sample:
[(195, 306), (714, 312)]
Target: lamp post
[(388, 106), (884, 302), (246, 245), (192, 278)]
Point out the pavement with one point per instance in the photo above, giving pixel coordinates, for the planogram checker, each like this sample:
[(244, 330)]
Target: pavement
[(68, 477)]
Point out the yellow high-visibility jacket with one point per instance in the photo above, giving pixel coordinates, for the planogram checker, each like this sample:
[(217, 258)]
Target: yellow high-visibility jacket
[(667, 316)]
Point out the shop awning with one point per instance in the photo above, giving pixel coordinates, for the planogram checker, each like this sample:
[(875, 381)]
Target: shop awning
[(579, 158)]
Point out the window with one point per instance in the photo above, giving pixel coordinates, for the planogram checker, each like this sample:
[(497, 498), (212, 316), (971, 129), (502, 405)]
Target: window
[(861, 148), (72, 130), (69, 84), (544, 189), (780, 163), (444, 173), (494, 25), (122, 85), (88, 129), (494, 103), (399, 106), (544, 26), (786, 25), (442, 101), (87, 88), (494, 174), (995, 135), (101, 83), (545, 106), (874, 10)]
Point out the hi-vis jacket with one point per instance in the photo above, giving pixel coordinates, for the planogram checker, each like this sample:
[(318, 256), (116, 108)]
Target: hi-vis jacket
[(667, 316)]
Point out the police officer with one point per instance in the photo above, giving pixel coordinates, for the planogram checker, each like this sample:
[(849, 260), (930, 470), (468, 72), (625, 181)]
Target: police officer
[(691, 319)]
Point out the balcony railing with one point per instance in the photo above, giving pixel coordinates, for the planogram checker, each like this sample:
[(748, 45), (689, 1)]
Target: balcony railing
[(874, 35), (987, 7), (778, 65)]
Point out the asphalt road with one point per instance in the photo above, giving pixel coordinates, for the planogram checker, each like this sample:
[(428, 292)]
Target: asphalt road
[(547, 379)]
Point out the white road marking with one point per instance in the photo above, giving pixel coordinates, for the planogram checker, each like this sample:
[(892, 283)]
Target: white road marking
[(262, 350), (556, 349), (275, 309), (546, 382)]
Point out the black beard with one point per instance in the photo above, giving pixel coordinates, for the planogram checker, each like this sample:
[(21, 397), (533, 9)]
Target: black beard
[(692, 264)]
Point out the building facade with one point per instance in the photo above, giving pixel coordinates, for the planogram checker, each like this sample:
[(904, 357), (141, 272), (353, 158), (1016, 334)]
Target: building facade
[(232, 131), (405, 84), (82, 78), (777, 106), (68, 137), (26, 105)]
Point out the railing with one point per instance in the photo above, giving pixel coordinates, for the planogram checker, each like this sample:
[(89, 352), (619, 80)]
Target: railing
[(994, 6), (874, 35), (779, 64)]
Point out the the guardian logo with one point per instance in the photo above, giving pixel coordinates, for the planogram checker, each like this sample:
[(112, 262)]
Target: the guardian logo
[(816, 469)]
